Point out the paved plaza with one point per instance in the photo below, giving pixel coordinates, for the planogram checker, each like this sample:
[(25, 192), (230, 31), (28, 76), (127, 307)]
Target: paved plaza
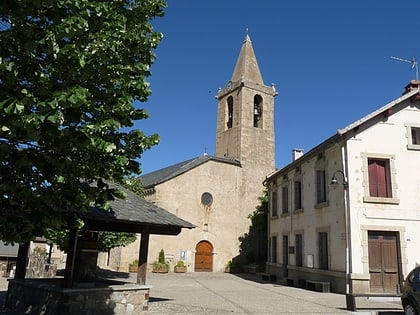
[(222, 294)]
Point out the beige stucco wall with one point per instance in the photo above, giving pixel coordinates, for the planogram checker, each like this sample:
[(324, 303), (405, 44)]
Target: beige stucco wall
[(388, 138), (381, 137), (226, 218)]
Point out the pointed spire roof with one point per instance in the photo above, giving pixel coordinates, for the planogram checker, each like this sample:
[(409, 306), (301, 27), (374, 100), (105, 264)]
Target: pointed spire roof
[(247, 66)]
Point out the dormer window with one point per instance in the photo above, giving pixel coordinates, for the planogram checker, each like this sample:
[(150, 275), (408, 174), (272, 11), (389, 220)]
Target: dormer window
[(258, 111)]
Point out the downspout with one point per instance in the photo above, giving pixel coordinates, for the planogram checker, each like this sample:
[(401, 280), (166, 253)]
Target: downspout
[(349, 288), (267, 269)]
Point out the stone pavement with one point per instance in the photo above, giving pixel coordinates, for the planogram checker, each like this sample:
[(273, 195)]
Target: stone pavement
[(222, 294)]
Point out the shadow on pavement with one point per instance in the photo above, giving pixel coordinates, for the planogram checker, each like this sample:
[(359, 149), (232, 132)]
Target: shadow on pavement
[(156, 299)]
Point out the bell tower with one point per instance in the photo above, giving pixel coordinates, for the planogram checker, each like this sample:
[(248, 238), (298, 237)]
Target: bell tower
[(245, 119)]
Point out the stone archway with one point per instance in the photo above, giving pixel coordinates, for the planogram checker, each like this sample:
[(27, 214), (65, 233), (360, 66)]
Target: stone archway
[(204, 256)]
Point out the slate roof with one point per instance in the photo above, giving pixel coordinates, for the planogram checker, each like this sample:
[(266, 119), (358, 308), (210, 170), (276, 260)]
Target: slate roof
[(134, 214), (342, 132), (164, 174)]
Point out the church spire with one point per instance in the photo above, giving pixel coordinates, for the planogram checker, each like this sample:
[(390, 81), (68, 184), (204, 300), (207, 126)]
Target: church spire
[(246, 68)]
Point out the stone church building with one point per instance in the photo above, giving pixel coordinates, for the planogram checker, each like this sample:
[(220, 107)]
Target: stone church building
[(217, 193)]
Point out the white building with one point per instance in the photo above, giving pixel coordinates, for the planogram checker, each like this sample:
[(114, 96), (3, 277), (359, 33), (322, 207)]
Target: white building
[(361, 234)]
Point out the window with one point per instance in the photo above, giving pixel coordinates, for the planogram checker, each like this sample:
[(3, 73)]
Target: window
[(297, 195), (258, 111), (274, 249), (299, 249), (379, 178), (413, 136), (379, 183), (284, 200), (323, 250), (274, 203), (321, 188), (229, 123)]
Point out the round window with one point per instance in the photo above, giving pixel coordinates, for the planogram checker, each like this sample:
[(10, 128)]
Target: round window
[(206, 199)]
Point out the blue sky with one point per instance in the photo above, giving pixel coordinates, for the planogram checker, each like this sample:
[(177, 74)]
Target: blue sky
[(330, 62)]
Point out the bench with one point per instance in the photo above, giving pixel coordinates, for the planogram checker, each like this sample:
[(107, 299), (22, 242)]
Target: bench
[(320, 286), (351, 298)]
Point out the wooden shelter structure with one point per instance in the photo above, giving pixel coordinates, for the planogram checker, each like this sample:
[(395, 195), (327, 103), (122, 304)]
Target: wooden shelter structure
[(132, 214)]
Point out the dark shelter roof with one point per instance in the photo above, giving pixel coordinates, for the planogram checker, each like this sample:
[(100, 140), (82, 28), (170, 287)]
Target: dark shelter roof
[(134, 214)]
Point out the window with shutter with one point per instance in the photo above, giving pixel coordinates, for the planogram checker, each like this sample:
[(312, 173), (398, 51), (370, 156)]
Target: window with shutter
[(285, 200), (274, 203), (299, 249), (378, 178), (321, 189), (297, 195), (323, 250)]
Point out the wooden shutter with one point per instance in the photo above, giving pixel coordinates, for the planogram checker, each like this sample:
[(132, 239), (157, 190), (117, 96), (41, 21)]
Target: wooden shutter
[(378, 186), (273, 203)]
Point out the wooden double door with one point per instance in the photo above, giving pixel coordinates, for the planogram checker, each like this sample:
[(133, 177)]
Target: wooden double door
[(383, 261), (203, 256)]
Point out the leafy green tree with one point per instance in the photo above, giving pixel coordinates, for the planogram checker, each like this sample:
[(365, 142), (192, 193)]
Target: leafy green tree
[(106, 240), (70, 74)]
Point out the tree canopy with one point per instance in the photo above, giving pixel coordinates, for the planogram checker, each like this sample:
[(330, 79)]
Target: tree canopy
[(70, 74)]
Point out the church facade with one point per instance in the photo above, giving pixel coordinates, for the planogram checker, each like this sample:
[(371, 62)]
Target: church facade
[(217, 193)]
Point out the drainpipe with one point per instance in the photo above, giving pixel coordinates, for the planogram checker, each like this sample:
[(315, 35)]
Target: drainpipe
[(349, 288)]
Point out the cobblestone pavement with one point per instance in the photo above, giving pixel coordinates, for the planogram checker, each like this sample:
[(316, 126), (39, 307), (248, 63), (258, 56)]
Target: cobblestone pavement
[(222, 294)]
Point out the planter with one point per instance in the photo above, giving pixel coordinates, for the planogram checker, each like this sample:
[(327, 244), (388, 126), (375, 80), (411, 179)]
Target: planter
[(132, 268), (160, 268), (180, 269)]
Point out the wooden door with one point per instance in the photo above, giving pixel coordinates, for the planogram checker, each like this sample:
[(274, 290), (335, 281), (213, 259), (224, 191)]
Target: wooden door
[(203, 256), (383, 261)]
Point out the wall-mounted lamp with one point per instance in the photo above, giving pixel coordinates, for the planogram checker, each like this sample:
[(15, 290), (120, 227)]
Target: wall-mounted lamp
[(335, 182)]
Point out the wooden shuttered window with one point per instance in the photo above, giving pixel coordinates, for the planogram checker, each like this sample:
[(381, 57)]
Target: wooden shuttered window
[(299, 249), (285, 200), (321, 190), (298, 195), (274, 203), (323, 250), (379, 183)]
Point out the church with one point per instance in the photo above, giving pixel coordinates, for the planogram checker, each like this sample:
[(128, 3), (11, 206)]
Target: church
[(217, 193)]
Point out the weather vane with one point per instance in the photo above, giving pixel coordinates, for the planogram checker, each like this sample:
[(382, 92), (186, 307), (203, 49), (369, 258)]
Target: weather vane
[(414, 64)]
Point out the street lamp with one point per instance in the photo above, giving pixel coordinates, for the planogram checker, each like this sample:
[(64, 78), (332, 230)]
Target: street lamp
[(334, 183)]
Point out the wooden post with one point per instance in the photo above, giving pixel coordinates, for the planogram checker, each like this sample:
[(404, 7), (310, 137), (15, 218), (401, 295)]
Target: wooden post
[(21, 261), (71, 256), (144, 248)]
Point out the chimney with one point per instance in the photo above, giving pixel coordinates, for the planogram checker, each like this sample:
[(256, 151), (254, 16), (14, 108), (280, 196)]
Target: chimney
[(296, 153), (413, 85)]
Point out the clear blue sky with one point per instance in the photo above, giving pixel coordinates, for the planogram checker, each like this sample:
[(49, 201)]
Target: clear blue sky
[(330, 61)]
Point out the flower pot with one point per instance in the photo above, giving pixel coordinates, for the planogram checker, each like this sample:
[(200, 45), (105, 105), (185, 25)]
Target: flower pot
[(132, 268), (160, 268), (180, 269)]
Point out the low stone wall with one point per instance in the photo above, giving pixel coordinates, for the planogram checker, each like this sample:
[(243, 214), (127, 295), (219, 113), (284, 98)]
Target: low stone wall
[(103, 297)]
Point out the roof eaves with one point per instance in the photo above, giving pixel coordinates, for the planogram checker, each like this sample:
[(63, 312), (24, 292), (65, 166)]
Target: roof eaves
[(377, 112)]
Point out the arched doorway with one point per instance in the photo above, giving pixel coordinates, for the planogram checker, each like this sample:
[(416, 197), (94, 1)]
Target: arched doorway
[(203, 256)]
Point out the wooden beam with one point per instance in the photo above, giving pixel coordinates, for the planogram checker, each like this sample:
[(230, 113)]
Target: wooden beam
[(71, 256), (143, 251), (21, 261)]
